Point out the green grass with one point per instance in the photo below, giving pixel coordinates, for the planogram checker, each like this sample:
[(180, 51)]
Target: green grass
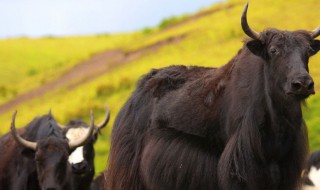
[(211, 41)]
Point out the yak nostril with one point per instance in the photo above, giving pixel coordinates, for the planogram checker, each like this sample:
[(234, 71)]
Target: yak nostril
[(296, 85), (311, 86)]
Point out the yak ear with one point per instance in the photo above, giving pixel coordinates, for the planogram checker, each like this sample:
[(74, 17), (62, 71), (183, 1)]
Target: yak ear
[(315, 47), (257, 47)]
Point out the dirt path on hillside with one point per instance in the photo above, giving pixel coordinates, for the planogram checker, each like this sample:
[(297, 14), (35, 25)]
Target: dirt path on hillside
[(200, 15), (86, 71), (104, 62)]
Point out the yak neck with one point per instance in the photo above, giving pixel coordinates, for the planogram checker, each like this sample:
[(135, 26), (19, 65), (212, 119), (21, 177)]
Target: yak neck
[(258, 110), (261, 128)]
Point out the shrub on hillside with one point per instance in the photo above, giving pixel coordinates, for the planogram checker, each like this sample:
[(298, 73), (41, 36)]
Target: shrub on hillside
[(109, 89), (171, 21), (7, 92), (105, 90)]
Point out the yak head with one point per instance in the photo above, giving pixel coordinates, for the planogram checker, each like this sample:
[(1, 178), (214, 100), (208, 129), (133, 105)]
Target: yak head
[(82, 158), (51, 156), (286, 55)]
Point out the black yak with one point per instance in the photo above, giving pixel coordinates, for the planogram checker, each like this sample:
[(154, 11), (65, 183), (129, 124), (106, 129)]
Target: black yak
[(82, 158), (237, 127), (38, 159)]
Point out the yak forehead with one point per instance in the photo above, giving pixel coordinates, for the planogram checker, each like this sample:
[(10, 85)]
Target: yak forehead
[(51, 153), (314, 176), (74, 134), (286, 39), (52, 145)]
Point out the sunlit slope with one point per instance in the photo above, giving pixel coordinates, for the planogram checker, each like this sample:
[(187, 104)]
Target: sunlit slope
[(210, 40), (29, 63)]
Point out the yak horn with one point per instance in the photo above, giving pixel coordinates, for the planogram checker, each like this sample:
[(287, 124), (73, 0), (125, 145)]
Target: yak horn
[(245, 26), (105, 121), (315, 33), (86, 138), (18, 138)]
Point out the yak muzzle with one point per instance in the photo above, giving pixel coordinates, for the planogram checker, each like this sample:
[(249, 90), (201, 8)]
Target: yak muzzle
[(302, 86), (79, 168)]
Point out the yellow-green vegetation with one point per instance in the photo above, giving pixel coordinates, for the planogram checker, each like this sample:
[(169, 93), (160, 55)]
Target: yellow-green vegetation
[(211, 40), (29, 63)]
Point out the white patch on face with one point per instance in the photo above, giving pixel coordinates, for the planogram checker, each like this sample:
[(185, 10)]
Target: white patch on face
[(314, 176), (308, 187), (76, 156), (74, 134)]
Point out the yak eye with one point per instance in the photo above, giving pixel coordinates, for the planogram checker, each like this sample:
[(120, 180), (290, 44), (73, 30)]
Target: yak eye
[(274, 51)]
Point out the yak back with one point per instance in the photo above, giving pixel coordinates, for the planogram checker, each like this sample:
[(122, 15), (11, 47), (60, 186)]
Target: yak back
[(134, 119)]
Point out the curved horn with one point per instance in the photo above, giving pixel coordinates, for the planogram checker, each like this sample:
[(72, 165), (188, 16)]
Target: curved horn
[(245, 26), (84, 140), (315, 33), (18, 138), (105, 121)]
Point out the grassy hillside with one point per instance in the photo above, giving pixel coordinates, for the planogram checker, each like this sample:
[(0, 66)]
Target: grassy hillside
[(211, 40), (29, 63)]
